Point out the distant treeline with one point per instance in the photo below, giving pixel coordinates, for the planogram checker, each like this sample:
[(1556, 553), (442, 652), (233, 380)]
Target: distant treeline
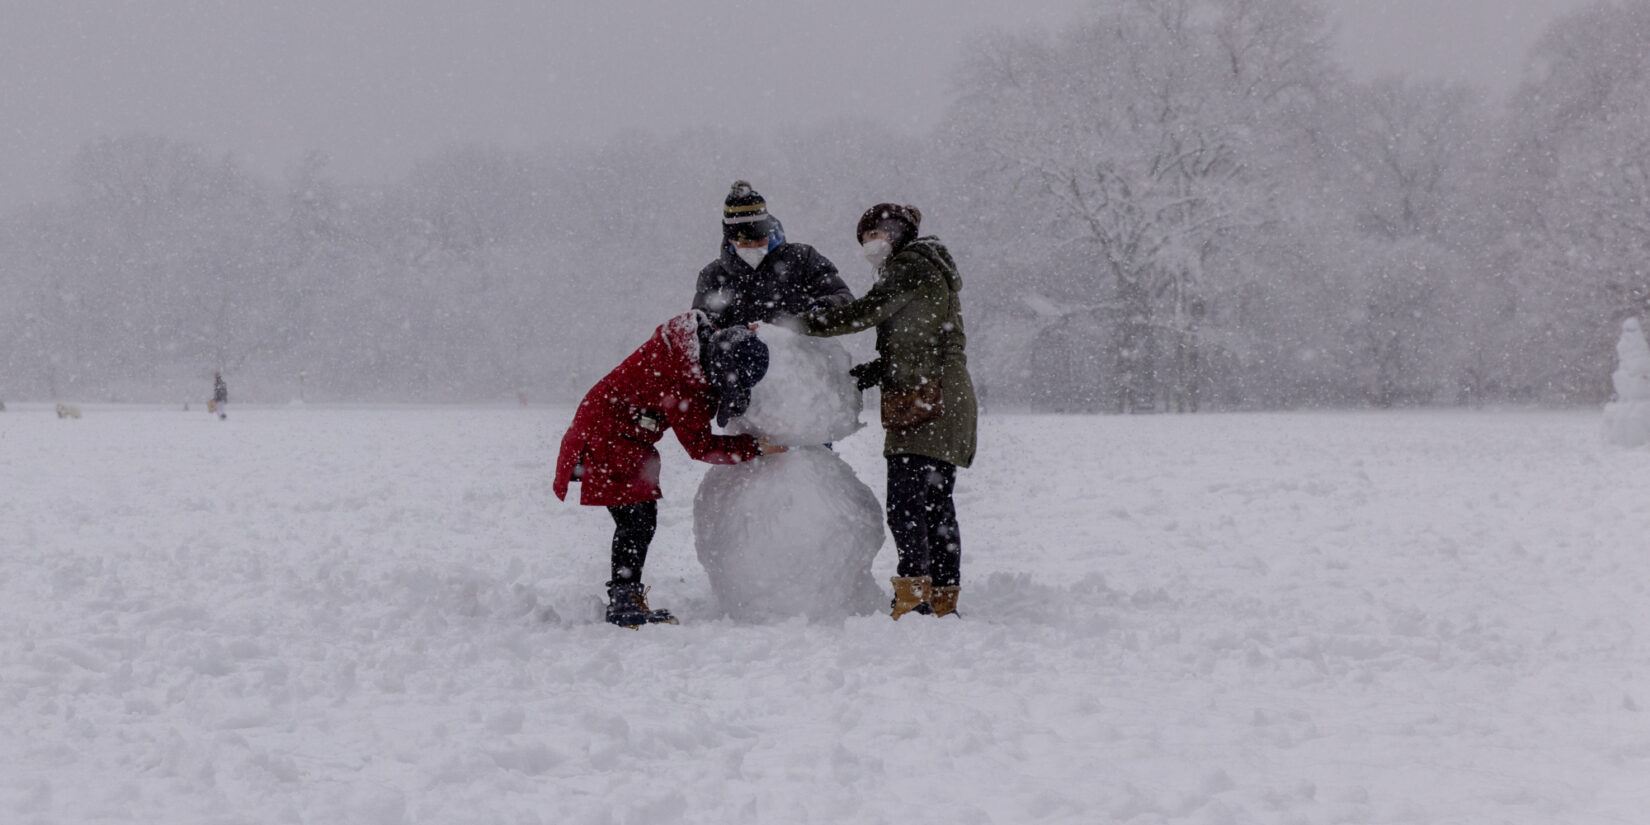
[(1173, 205)]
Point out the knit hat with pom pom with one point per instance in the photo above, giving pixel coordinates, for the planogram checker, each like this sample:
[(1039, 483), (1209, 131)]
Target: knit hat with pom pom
[(745, 214)]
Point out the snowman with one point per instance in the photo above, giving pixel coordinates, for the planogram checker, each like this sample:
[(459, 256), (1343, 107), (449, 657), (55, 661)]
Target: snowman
[(792, 534), (1627, 419)]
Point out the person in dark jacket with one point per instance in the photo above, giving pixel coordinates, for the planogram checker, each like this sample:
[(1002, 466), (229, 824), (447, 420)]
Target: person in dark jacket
[(685, 374), (220, 396), (929, 410), (758, 275)]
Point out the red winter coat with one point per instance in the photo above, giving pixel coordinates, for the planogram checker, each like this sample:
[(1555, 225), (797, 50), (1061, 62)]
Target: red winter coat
[(659, 387)]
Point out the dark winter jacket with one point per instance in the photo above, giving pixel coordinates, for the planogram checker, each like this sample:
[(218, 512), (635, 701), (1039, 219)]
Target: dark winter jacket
[(661, 386), (793, 278), (220, 391), (917, 311)]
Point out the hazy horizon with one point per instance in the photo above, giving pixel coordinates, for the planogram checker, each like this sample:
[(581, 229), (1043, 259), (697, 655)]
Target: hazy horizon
[(377, 86)]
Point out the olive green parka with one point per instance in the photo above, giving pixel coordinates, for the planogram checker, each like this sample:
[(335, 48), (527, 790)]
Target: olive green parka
[(917, 313)]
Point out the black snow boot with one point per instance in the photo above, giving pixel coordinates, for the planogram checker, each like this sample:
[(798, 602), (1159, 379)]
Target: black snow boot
[(627, 606)]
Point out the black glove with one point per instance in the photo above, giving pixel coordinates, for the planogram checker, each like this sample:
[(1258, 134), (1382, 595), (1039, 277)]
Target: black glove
[(867, 375), (790, 320)]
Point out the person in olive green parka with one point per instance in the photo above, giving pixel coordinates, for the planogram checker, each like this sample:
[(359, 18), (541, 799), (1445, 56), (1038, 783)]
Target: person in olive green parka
[(922, 371)]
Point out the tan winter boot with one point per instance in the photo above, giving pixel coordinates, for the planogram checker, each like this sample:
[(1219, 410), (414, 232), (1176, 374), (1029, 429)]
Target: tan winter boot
[(944, 600), (911, 595)]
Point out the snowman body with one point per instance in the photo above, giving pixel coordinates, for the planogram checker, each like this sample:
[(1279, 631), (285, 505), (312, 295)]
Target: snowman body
[(1627, 419), (794, 533)]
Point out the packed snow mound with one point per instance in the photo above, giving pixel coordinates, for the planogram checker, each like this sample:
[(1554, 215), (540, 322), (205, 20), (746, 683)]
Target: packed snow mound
[(1627, 419), (789, 535), (807, 396)]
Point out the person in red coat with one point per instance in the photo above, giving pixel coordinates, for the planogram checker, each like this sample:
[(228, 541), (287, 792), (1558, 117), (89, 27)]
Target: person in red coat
[(684, 375)]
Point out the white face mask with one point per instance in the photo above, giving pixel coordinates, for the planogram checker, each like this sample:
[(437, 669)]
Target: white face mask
[(876, 251), (751, 256)]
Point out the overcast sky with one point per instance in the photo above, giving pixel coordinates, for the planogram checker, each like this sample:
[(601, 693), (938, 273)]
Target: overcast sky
[(379, 83)]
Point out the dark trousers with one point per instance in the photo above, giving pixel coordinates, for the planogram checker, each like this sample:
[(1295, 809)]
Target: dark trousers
[(923, 518), (634, 525)]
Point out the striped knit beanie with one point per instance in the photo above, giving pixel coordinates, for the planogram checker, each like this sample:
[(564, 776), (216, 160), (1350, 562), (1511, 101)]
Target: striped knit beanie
[(745, 214)]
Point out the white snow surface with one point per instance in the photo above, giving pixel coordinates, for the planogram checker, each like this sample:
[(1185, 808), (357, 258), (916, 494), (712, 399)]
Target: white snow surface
[(807, 395), (793, 534), (1627, 419), (382, 615)]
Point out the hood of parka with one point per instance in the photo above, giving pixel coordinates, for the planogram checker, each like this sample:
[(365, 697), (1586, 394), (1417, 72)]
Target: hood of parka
[(930, 248)]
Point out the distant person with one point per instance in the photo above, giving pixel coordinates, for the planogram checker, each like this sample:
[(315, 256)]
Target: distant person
[(684, 375), (928, 406), (220, 396), (759, 275)]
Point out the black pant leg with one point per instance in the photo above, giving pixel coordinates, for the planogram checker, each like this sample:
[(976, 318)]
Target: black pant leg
[(634, 525), (907, 505), (944, 538)]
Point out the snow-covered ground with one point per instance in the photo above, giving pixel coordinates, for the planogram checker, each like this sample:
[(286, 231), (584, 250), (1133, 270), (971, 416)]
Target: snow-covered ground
[(382, 615)]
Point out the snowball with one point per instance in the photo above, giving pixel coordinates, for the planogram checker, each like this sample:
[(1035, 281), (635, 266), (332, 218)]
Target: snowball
[(807, 396), (1627, 419), (787, 535)]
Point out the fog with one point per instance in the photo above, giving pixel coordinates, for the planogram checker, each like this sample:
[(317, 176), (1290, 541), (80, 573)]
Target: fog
[(379, 85), (1404, 202), (1480, 42)]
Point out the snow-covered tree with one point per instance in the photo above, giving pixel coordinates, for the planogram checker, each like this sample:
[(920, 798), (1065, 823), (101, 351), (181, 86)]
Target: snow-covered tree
[(1581, 163), (158, 258), (1144, 137), (1411, 161)]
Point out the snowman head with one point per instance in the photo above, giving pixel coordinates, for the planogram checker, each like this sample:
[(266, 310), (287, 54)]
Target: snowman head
[(735, 360)]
